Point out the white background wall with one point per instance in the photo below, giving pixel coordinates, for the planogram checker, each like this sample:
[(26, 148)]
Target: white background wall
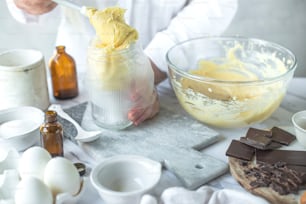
[(281, 21), (15, 35)]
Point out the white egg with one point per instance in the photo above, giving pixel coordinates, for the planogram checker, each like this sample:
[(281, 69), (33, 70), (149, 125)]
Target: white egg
[(61, 176), (33, 162), (32, 190)]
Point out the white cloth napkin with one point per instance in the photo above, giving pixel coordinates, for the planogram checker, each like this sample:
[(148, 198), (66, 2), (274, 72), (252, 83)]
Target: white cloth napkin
[(208, 195)]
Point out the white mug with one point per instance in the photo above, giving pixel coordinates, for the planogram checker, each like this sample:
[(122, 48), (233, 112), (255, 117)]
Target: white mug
[(23, 79)]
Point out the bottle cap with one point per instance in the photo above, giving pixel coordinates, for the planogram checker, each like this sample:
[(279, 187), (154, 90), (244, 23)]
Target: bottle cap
[(81, 168)]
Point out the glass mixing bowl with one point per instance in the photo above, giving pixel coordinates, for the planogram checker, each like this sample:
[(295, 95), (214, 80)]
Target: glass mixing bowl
[(230, 81)]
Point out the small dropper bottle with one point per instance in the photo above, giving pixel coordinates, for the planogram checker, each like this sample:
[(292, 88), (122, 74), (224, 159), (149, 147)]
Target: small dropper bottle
[(51, 134), (63, 74)]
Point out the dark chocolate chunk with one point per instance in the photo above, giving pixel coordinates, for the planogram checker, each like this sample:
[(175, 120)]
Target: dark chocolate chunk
[(260, 137), (272, 145), (259, 132), (277, 176), (278, 187), (240, 151), (294, 176), (252, 143), (260, 183), (288, 156), (280, 164), (301, 174), (243, 163), (301, 169), (281, 136)]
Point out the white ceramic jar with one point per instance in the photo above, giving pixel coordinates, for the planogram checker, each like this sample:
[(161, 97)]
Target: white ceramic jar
[(117, 81), (23, 79)]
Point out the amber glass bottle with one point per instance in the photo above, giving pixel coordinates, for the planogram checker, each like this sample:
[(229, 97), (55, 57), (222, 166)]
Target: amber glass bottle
[(51, 134), (63, 73)]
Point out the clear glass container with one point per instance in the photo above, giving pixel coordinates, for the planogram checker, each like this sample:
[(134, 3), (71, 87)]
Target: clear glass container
[(117, 81)]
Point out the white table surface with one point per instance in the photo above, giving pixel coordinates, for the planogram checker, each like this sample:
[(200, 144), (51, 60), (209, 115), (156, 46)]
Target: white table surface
[(294, 101)]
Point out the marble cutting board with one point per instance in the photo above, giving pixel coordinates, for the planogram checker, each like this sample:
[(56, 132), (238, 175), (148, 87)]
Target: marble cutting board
[(172, 138)]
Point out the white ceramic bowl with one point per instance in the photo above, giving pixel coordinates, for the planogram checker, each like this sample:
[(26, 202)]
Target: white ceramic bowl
[(19, 127), (125, 178), (299, 122)]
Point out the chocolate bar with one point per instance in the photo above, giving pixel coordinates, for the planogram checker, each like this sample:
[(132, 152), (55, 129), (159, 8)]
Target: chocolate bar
[(271, 145), (260, 137), (240, 151), (288, 156), (259, 132), (281, 136)]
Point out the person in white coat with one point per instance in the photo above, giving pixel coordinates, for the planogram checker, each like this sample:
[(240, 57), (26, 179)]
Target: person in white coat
[(160, 24)]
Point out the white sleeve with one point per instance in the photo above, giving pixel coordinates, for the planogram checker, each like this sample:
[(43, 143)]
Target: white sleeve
[(198, 18), (24, 17)]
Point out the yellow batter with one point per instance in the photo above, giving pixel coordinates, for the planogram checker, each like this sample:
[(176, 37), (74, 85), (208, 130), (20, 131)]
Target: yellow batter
[(111, 28), (232, 104), (110, 52), (231, 69)]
